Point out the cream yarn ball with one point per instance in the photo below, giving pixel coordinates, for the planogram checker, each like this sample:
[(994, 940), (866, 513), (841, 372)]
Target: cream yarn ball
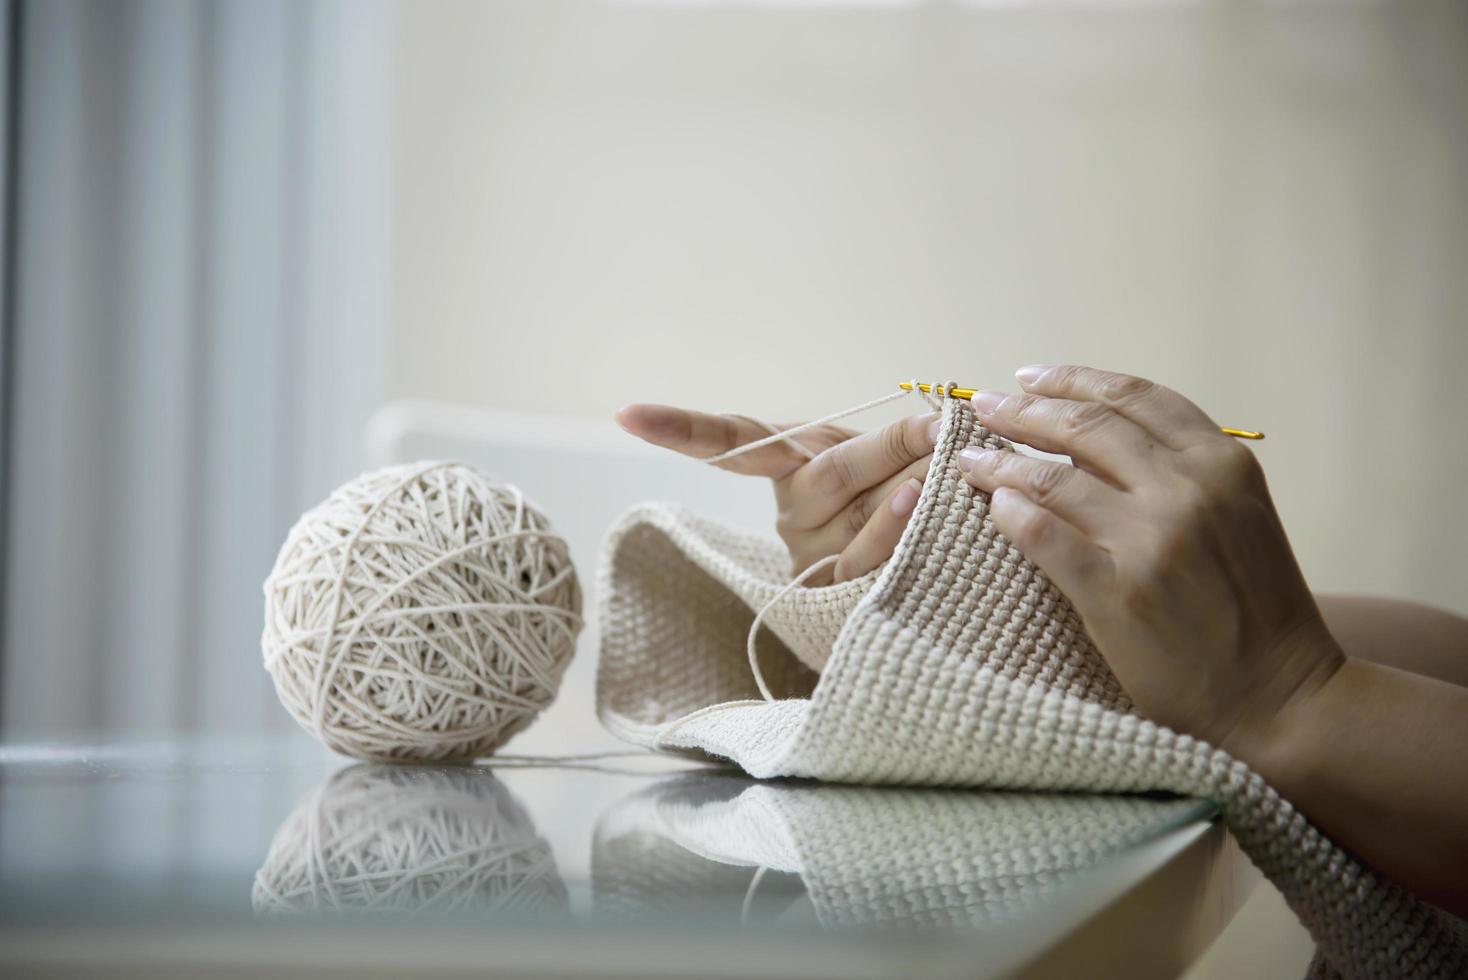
[(421, 612)]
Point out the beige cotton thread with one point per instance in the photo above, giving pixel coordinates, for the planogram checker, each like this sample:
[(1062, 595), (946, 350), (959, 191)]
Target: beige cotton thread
[(785, 435), (421, 612)]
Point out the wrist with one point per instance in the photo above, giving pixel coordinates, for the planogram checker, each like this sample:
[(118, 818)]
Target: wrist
[(1275, 734)]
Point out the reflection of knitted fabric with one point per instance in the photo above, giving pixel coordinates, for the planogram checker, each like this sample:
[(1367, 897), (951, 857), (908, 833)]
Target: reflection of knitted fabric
[(382, 838), (867, 857), (960, 665)]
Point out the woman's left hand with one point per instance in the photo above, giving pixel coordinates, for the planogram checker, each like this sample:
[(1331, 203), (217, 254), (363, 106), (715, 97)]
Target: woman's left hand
[(1164, 537), (851, 498)]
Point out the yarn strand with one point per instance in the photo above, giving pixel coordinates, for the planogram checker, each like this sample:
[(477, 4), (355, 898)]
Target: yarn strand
[(774, 430), (786, 435), (748, 902), (759, 617)]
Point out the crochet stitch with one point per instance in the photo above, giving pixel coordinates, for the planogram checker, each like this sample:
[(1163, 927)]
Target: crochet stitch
[(957, 663)]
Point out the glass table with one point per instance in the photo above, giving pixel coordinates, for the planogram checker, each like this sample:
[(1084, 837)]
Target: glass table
[(236, 857)]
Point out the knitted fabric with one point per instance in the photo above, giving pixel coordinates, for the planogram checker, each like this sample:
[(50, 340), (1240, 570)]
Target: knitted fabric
[(925, 859), (957, 664)]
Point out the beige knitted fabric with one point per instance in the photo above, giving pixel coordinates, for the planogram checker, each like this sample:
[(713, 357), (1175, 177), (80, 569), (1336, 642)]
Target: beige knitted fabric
[(959, 665), (866, 857)]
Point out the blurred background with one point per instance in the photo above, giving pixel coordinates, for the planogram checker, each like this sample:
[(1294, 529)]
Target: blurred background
[(252, 248), (238, 233)]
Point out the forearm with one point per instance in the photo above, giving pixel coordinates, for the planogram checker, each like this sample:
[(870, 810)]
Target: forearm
[(1406, 635), (1375, 757)]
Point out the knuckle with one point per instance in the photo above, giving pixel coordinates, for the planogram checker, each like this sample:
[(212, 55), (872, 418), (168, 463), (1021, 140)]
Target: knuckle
[(893, 441), (1032, 529), (1025, 527), (1079, 418), (1240, 465), (1067, 377), (1044, 483), (836, 474), (860, 512), (1123, 388), (1024, 407), (1000, 464), (1230, 468)]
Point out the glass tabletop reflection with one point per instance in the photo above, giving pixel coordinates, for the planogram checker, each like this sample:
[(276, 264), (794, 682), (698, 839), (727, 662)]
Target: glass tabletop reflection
[(255, 836)]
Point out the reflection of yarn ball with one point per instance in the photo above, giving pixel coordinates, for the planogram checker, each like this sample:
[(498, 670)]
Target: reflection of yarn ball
[(421, 612), (390, 839)]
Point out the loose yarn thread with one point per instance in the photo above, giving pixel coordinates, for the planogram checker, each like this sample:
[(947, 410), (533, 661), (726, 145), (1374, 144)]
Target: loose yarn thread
[(759, 618), (800, 448), (785, 435), (421, 612)]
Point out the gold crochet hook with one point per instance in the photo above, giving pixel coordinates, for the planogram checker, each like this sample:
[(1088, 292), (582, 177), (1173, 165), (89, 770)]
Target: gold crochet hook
[(966, 393)]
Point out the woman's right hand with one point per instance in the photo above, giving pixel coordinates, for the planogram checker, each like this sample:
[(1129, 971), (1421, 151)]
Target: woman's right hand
[(853, 499)]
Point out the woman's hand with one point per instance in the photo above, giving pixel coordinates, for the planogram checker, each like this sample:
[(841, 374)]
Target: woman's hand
[(1165, 539), (853, 499)]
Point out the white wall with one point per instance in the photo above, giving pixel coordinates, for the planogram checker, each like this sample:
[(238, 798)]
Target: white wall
[(242, 226), (783, 208)]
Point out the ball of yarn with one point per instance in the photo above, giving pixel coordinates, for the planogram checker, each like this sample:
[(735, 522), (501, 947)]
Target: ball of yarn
[(421, 612), (392, 839)]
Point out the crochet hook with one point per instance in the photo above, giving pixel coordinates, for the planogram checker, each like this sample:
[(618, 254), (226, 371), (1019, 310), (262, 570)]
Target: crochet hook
[(965, 393)]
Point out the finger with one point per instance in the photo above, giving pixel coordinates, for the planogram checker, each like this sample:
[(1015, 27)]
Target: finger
[(1097, 438), (1072, 494), (1163, 413), (878, 539), (834, 536), (1073, 562), (835, 478), (701, 435)]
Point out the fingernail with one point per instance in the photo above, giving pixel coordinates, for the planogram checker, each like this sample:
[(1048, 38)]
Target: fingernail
[(969, 458), (986, 402), (1030, 373), (906, 498), (933, 431)]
